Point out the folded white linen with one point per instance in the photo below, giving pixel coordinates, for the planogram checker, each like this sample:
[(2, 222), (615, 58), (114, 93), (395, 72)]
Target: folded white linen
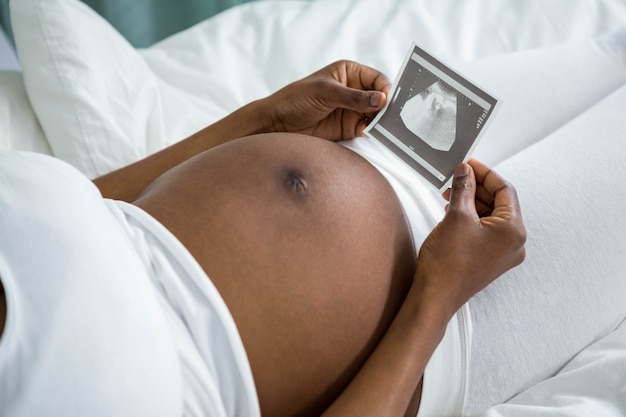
[(591, 384), (217, 380), (108, 313), (84, 335)]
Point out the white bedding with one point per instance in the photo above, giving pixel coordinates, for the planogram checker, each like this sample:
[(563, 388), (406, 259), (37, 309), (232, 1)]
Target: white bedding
[(570, 290), (86, 96)]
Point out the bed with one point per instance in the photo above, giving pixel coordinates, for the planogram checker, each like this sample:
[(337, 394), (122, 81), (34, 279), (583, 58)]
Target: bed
[(83, 94)]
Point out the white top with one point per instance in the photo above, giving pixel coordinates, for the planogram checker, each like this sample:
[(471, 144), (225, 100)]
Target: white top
[(108, 315)]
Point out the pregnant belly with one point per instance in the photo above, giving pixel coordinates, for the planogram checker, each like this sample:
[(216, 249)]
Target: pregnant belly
[(309, 247)]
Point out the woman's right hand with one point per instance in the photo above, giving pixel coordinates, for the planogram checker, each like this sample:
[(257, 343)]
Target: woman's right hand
[(335, 103), (481, 236)]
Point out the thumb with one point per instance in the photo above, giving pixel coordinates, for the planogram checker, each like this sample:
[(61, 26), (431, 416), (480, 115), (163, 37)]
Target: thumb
[(463, 190), (360, 101)]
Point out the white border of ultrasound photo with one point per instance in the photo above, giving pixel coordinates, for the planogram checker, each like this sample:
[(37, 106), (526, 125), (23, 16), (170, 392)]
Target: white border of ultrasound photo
[(434, 160)]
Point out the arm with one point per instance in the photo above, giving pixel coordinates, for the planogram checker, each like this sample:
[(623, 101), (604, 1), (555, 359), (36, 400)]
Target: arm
[(481, 237), (332, 103), (128, 182)]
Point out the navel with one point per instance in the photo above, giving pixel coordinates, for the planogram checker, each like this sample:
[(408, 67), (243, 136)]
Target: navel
[(294, 182)]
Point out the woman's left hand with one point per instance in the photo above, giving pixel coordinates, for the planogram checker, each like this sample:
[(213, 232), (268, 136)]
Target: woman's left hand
[(335, 103)]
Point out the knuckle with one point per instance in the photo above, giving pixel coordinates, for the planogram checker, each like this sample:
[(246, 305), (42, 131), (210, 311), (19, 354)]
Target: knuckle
[(320, 84), (515, 237), (506, 187), (357, 97), (517, 258), (323, 88), (522, 236), (457, 216), (518, 232), (521, 255), (340, 65)]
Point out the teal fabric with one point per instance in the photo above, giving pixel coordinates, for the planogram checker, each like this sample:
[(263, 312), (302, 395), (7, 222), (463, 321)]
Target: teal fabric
[(144, 22), (5, 22)]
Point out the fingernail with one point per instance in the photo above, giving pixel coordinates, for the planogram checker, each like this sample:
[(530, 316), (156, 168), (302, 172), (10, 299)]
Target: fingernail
[(461, 170), (375, 99)]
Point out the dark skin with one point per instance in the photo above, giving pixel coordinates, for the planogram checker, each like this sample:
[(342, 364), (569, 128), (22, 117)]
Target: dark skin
[(305, 240), (332, 103)]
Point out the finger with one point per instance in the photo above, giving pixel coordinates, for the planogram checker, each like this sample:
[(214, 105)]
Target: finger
[(483, 195), (490, 183), (506, 203), (496, 192), (366, 88), (446, 194), (463, 190), (359, 101), (352, 123), (366, 78), (483, 209), (360, 127), (480, 170)]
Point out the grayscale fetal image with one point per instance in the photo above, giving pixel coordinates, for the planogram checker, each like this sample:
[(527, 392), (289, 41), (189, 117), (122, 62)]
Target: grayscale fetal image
[(431, 115)]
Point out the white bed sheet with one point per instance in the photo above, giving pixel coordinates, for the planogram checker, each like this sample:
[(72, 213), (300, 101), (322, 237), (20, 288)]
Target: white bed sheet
[(591, 384), (84, 91)]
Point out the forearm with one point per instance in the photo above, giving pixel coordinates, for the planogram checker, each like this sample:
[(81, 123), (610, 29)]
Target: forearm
[(128, 182), (480, 237), (387, 382), (329, 104)]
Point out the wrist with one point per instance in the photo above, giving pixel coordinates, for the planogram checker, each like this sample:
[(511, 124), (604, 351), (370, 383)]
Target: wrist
[(435, 300), (250, 119)]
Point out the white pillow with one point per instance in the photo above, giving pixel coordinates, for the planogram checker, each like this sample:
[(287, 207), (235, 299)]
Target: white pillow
[(19, 127), (253, 49), (102, 104), (99, 105)]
